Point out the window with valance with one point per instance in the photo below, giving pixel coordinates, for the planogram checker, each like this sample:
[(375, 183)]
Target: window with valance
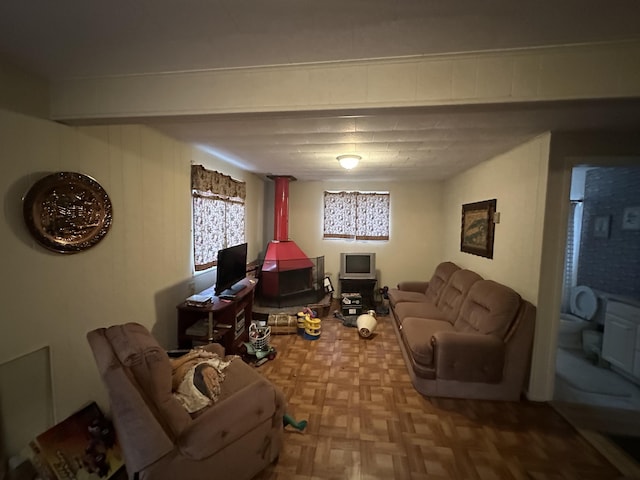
[(356, 215), (218, 214)]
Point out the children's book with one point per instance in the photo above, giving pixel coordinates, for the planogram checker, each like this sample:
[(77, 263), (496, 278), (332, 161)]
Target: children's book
[(81, 447)]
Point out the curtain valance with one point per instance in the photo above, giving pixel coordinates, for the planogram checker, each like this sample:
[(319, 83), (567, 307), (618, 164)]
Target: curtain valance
[(204, 180)]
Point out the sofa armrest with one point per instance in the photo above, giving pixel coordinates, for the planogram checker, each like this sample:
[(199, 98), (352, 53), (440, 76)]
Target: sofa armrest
[(468, 357), (413, 286), (231, 418)]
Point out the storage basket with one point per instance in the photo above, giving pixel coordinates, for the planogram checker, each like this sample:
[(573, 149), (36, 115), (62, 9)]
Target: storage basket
[(259, 336)]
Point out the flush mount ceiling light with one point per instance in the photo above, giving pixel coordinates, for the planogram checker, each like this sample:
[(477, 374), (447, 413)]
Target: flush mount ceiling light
[(349, 161)]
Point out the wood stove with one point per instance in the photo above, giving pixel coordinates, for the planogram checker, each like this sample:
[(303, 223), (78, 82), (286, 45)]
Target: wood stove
[(287, 276)]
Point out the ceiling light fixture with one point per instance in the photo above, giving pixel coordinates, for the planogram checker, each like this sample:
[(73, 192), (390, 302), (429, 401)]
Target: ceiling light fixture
[(349, 161)]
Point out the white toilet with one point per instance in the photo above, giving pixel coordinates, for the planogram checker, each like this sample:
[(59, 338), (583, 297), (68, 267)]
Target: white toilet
[(583, 303)]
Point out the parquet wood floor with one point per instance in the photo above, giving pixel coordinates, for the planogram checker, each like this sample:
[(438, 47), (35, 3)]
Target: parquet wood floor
[(367, 422)]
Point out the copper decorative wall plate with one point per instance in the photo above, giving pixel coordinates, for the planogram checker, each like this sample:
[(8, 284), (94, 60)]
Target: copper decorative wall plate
[(67, 212)]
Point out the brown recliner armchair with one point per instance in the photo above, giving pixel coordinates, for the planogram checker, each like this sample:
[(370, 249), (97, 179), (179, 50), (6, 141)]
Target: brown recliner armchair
[(236, 437)]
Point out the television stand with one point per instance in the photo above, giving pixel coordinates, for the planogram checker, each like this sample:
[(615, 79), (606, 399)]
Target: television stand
[(364, 286), (225, 322)]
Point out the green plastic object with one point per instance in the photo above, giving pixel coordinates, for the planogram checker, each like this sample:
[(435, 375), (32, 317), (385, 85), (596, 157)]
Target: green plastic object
[(289, 420), (259, 353)]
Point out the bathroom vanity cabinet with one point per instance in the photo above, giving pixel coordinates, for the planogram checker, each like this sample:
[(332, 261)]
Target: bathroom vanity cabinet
[(621, 340)]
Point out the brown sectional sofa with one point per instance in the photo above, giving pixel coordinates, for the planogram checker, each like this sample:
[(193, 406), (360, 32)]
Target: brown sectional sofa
[(463, 336)]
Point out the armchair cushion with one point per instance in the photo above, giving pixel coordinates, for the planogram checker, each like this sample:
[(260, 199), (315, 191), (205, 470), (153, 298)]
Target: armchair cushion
[(228, 420), (149, 364)]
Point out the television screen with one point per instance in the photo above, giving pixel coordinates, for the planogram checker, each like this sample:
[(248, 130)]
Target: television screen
[(232, 267), (357, 265)]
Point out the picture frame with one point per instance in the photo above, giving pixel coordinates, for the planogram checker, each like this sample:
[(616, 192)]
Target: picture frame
[(478, 228), (631, 218), (328, 286), (602, 226)]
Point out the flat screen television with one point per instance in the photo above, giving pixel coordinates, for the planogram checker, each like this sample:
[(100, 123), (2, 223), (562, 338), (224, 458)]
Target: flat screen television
[(232, 267), (357, 265)]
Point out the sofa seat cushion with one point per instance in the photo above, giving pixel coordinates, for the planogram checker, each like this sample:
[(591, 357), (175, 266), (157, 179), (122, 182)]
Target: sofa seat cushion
[(469, 357), (417, 309), (418, 332)]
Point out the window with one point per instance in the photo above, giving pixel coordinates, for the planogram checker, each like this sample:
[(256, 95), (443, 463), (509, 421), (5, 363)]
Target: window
[(218, 214), (356, 215)]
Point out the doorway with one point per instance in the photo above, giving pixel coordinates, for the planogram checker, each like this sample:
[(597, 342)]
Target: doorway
[(602, 261), (604, 258)]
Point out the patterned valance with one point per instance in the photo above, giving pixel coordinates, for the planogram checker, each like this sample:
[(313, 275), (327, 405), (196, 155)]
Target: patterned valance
[(204, 180), (356, 215)]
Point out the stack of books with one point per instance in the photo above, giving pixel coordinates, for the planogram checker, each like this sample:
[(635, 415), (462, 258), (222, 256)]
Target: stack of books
[(199, 300)]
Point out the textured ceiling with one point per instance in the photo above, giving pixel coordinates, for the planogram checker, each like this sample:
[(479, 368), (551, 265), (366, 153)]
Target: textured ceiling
[(399, 144), (67, 38)]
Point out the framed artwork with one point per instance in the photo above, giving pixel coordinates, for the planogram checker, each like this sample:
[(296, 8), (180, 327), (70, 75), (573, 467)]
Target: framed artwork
[(631, 218), (477, 231), (601, 226), (328, 286)]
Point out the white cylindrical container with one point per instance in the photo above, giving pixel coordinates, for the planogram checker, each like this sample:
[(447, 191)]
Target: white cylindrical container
[(367, 323)]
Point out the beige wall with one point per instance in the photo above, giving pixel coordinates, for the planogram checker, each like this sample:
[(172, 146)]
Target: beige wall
[(517, 179), (139, 272), (415, 244)]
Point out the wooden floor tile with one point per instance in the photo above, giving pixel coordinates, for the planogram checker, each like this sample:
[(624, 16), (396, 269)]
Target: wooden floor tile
[(367, 422)]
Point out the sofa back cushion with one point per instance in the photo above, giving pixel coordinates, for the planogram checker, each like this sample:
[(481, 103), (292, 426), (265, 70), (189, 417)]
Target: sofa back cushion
[(454, 293), (439, 279), (489, 308), (148, 365)]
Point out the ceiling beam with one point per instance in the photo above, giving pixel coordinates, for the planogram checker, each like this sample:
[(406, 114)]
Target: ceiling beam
[(601, 70)]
